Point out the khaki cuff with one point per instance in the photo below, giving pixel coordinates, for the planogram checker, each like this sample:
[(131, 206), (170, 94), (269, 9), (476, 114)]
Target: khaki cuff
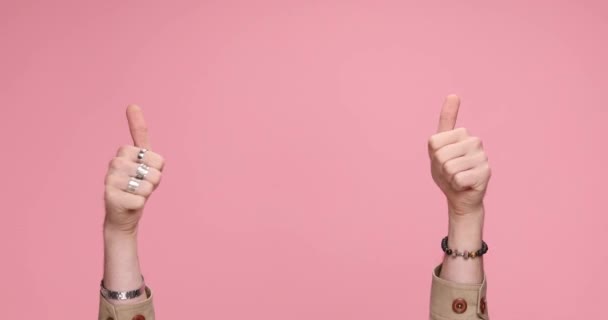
[(140, 311), (457, 301)]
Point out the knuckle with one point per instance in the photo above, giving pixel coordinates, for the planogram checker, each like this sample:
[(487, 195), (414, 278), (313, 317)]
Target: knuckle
[(161, 161), (476, 142), (437, 156), (484, 157), (448, 168), (458, 180), (117, 162), (123, 150), (148, 188), (141, 128), (462, 131), (137, 202), (488, 171), (156, 179), (144, 188), (110, 179), (432, 143)]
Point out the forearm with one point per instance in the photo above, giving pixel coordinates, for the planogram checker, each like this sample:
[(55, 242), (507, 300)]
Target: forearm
[(459, 286), (131, 178), (121, 264), (460, 168), (465, 232)]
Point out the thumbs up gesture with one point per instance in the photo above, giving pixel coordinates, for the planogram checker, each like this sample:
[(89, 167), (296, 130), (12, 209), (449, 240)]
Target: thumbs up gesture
[(459, 165), (132, 177)]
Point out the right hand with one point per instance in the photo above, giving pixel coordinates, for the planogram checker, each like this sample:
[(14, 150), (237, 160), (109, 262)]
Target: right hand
[(459, 164), (124, 208)]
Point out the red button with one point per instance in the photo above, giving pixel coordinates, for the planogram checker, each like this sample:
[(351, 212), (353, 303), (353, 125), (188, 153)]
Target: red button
[(139, 317), (459, 306), (482, 305)]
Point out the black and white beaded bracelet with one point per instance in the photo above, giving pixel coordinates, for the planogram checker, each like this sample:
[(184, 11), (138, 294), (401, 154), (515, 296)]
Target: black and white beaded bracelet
[(465, 254)]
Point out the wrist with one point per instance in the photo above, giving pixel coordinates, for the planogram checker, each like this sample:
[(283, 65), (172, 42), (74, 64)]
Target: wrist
[(119, 243), (112, 232), (465, 210), (466, 230)]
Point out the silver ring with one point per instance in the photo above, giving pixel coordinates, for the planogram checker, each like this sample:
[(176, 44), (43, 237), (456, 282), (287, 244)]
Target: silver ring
[(141, 154), (142, 171), (133, 185)]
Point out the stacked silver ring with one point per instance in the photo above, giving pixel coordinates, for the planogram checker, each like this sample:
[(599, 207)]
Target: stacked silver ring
[(141, 154), (133, 185), (142, 171)]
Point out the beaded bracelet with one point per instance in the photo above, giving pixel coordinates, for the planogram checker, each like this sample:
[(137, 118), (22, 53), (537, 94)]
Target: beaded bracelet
[(465, 254)]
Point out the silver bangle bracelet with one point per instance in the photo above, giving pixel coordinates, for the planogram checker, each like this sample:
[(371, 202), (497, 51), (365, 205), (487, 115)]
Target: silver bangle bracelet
[(123, 295)]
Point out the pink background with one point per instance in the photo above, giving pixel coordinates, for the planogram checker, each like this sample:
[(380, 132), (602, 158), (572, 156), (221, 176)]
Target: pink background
[(297, 182)]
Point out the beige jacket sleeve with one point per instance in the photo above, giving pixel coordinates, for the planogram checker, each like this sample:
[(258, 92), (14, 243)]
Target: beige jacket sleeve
[(140, 311), (449, 301), (455, 301)]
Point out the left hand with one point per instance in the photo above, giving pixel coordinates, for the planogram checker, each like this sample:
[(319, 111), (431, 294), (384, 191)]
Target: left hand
[(124, 209), (459, 165)]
